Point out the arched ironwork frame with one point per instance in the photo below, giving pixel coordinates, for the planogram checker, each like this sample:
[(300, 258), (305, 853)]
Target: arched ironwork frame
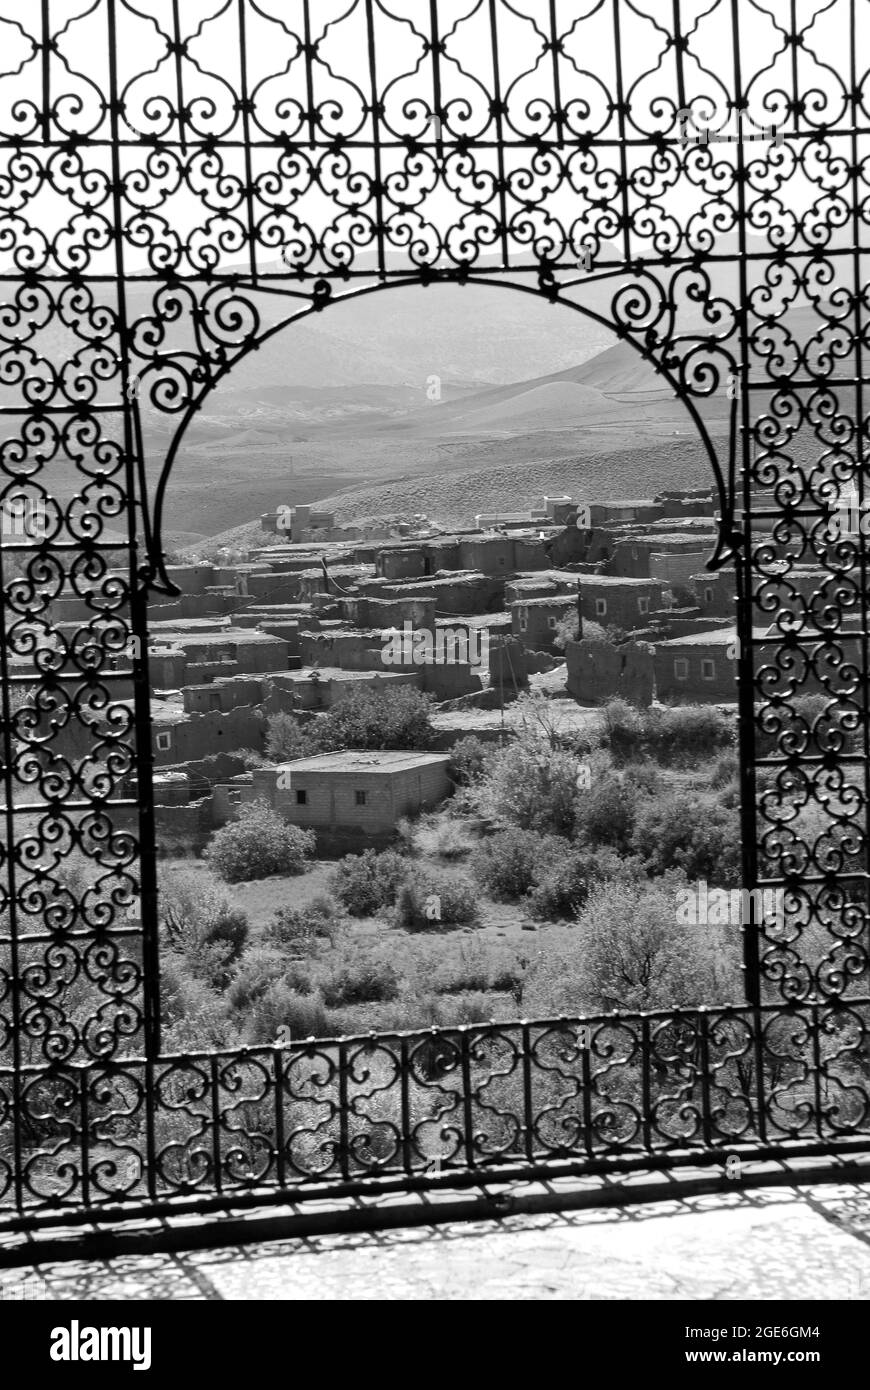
[(179, 183)]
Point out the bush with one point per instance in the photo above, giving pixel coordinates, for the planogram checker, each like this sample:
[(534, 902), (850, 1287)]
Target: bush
[(624, 729), (301, 926), (690, 732), (676, 734), (254, 973), (424, 901), (302, 1015), (564, 886), (533, 785), (395, 717), (700, 838), (452, 841), (366, 883), (370, 979), (229, 928), (628, 952), (507, 865), (468, 759), (258, 844), (606, 812)]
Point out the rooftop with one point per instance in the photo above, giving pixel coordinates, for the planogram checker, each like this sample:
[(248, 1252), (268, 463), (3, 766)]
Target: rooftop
[(386, 761)]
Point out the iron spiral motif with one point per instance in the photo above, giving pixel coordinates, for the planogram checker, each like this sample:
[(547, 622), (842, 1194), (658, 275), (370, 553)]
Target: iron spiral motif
[(164, 210)]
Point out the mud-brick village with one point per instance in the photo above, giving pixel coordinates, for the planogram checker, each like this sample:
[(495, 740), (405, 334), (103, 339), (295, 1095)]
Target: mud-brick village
[(613, 599)]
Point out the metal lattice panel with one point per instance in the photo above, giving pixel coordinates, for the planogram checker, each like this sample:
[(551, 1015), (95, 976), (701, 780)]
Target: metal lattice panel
[(180, 182)]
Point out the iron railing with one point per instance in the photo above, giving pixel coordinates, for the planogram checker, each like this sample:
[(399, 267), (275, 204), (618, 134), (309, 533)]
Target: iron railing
[(452, 1105)]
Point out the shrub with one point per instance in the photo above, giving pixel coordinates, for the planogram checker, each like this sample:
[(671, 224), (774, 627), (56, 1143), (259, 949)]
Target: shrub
[(201, 925), (425, 901), (678, 733), (258, 844), (564, 886), (395, 717), (253, 975), (725, 769), (352, 979), (366, 883), (302, 1014), (624, 729), (700, 838), (606, 812), (689, 732), (532, 785), (301, 926), (508, 863), (229, 928), (468, 759), (628, 952), (452, 841)]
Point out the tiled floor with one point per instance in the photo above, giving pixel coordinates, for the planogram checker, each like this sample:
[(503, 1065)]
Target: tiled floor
[(773, 1243)]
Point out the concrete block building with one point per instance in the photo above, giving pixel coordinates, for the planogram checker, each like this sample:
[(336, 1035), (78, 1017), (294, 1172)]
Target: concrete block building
[(354, 796)]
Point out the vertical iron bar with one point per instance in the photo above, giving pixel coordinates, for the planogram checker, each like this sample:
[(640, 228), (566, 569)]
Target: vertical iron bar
[(467, 1113), (817, 1066), (757, 1017), (137, 606), (744, 581), (150, 1137), (343, 1129), (646, 1085), (246, 137), (376, 139), (586, 1094), (179, 87), (499, 133), (860, 464), (85, 1145), (405, 1100), (528, 1102), (623, 157), (706, 1116), (214, 1094), (278, 1077)]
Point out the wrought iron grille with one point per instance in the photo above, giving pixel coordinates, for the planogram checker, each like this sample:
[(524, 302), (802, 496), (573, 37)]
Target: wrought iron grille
[(179, 183)]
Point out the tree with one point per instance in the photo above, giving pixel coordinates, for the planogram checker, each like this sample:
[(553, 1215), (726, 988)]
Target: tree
[(390, 717), (286, 739), (700, 838), (629, 953)]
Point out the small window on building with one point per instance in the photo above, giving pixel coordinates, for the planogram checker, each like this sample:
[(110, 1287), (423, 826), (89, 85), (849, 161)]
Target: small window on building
[(551, 622), (301, 797), (601, 608), (708, 670), (235, 797), (360, 798), (164, 741), (681, 669), (708, 595), (524, 619), (643, 605)]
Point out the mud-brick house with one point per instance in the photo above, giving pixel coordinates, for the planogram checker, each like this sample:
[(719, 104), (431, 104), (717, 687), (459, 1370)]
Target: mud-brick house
[(535, 621), (354, 799), (716, 593), (615, 601), (644, 509), (697, 669)]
